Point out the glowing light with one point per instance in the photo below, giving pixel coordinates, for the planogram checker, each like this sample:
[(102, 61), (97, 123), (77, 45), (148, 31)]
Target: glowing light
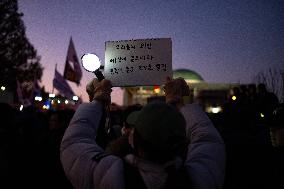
[(51, 95), (157, 89), (66, 101), (91, 62), (75, 98), (3, 88), (38, 98), (58, 101), (52, 102), (262, 115), (21, 107), (215, 110), (46, 107), (234, 98)]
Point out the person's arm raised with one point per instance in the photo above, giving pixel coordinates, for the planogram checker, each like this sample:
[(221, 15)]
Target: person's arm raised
[(79, 148)]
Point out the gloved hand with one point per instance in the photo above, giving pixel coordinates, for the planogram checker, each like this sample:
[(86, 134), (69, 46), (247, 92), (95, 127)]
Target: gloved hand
[(99, 90), (176, 90)]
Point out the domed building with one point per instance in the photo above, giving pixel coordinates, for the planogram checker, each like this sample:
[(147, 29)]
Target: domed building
[(208, 95), (189, 75)]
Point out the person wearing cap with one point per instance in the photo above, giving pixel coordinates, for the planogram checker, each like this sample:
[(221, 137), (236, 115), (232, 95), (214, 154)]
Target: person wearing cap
[(160, 141)]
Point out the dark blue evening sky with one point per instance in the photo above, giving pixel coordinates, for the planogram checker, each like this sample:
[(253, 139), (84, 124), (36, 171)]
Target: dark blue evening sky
[(224, 41)]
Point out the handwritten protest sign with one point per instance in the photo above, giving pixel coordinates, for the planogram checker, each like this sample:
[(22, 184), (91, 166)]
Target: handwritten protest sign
[(138, 62)]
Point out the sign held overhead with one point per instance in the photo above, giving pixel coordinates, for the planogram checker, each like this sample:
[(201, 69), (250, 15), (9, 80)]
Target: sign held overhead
[(138, 62)]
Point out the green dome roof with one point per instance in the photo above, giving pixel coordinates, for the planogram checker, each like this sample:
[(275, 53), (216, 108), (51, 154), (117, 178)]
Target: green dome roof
[(187, 74)]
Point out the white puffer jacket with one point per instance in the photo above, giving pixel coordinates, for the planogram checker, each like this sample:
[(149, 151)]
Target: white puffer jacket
[(205, 160)]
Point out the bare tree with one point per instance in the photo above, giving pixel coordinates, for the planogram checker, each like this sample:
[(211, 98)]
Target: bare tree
[(274, 81)]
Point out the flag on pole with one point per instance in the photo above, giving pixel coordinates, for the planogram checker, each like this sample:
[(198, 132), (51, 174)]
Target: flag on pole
[(61, 85), (72, 70)]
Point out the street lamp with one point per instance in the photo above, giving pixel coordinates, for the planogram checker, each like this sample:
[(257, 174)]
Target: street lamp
[(92, 63)]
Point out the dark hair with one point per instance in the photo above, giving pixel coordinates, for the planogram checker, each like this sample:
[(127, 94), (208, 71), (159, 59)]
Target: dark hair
[(64, 116), (261, 87), (276, 120), (176, 146)]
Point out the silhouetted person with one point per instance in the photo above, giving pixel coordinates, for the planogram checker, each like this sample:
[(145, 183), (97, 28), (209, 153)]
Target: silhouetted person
[(11, 154), (252, 93), (244, 94), (58, 123), (266, 101), (162, 156), (276, 124)]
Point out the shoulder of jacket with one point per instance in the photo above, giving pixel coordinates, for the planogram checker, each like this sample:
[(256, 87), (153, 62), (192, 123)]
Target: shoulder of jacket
[(109, 172)]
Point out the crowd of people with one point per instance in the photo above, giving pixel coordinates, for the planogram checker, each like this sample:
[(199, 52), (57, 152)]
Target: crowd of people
[(169, 144), (252, 128), (29, 147)]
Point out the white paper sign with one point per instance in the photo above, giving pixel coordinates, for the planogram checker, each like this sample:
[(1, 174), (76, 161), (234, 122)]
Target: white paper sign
[(138, 62)]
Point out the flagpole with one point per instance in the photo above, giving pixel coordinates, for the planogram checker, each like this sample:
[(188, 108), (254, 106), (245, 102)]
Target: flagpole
[(52, 82), (52, 88)]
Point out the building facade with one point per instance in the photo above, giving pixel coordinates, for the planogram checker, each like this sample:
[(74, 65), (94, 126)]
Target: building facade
[(211, 96)]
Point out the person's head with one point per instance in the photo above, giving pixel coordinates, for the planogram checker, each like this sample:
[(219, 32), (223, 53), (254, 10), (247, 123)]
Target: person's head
[(176, 90), (126, 119), (60, 119), (252, 89), (54, 121), (236, 91), (276, 123), (243, 89), (159, 132), (261, 88)]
